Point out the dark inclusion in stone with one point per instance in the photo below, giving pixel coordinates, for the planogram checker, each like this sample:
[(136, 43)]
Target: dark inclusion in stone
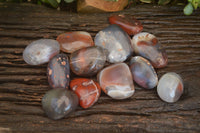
[(58, 103), (58, 71)]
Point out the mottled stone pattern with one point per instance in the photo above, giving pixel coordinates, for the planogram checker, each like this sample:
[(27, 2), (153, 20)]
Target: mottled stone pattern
[(143, 72), (87, 61), (87, 90), (58, 103), (146, 45), (170, 87), (72, 41), (116, 41), (116, 81), (58, 71), (41, 51), (127, 22)]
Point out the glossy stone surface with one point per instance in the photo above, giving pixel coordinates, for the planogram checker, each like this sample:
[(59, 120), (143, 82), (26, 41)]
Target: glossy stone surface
[(146, 45), (116, 41), (72, 41), (127, 22), (87, 90), (87, 61), (41, 51), (58, 103), (58, 71), (143, 72), (170, 87), (116, 81)]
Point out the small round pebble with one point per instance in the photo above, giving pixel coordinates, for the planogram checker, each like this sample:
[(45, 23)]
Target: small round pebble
[(58, 103), (170, 87)]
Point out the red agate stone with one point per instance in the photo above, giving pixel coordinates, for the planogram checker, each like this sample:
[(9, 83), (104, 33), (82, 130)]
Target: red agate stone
[(127, 22), (72, 41), (87, 90)]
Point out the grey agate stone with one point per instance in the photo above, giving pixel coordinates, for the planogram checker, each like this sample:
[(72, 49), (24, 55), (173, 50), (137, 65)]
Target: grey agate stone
[(116, 41), (58, 103)]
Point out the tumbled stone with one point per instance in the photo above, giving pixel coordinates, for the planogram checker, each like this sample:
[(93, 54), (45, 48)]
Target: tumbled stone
[(116, 81), (87, 61), (127, 22), (58, 71), (87, 90), (72, 41), (41, 51), (58, 103), (170, 87), (146, 45), (116, 41), (143, 72)]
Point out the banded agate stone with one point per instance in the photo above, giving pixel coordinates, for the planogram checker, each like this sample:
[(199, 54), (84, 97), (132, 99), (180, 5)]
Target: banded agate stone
[(170, 87), (116, 81)]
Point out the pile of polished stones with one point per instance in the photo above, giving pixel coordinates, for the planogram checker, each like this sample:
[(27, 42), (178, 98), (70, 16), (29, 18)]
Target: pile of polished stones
[(104, 58)]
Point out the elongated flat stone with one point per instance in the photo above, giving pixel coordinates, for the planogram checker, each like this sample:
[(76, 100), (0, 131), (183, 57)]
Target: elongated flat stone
[(72, 41), (116, 81), (58, 103), (87, 90), (127, 22), (146, 45), (58, 71), (143, 72), (170, 87), (41, 51), (87, 61), (116, 41)]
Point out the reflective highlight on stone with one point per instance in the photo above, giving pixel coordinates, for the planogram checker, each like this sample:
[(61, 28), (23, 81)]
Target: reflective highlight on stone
[(127, 22), (116, 81), (116, 41), (146, 45), (72, 41), (170, 87), (58, 71), (143, 72), (41, 51), (87, 90), (58, 103), (87, 61)]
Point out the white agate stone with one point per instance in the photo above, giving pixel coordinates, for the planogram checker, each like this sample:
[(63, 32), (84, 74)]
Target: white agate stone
[(170, 87), (116, 81)]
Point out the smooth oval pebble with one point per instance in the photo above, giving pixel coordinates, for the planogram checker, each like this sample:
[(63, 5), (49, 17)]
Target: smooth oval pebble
[(87, 90), (143, 72), (146, 45), (41, 51), (58, 103), (116, 41), (72, 41), (87, 61), (58, 71), (127, 22), (170, 87), (116, 81)]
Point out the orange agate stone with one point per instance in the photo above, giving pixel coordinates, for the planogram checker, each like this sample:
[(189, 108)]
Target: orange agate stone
[(72, 41), (87, 90)]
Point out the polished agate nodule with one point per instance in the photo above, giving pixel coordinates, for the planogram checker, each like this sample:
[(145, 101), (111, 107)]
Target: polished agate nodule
[(116, 41), (127, 22), (146, 45), (72, 41), (58, 71), (41, 51), (143, 72), (170, 87), (87, 90), (116, 81), (87, 61), (58, 103)]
